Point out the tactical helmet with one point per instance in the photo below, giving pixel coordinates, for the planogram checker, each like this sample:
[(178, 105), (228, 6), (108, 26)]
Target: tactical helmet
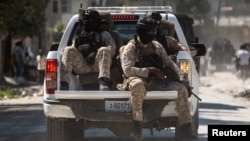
[(146, 29), (93, 14), (156, 16), (92, 19)]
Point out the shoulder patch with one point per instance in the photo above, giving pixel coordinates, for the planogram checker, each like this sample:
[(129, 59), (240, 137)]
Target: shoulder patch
[(126, 61)]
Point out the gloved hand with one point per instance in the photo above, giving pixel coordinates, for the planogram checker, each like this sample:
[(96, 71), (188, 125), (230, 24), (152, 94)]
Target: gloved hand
[(157, 72), (90, 60)]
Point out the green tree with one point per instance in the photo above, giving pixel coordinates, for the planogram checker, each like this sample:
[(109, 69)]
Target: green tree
[(59, 27), (20, 18)]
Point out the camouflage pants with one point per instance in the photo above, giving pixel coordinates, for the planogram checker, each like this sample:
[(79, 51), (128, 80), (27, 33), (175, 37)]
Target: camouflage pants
[(138, 88), (182, 100), (72, 59), (138, 91)]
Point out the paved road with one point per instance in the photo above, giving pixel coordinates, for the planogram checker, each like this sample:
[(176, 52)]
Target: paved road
[(22, 122), (221, 109)]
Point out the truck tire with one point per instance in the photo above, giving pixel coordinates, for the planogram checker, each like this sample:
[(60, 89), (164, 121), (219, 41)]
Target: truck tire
[(60, 130), (57, 130)]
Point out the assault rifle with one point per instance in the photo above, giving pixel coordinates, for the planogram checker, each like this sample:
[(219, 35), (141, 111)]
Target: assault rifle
[(153, 60), (89, 42)]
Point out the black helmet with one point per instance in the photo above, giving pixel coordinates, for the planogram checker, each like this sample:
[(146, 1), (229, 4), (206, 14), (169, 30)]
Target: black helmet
[(92, 14), (156, 16), (92, 20), (146, 29), (146, 22)]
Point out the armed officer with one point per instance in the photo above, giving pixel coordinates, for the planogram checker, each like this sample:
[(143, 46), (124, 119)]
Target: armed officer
[(171, 45), (91, 51), (140, 78)]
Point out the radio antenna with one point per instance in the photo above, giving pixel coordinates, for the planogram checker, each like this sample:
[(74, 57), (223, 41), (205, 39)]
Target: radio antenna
[(80, 13)]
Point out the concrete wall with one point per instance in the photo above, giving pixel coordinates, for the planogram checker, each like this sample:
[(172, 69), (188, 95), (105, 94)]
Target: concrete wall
[(51, 17)]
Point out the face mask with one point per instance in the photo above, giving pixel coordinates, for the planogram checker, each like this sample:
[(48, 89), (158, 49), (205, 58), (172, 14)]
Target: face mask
[(91, 25), (146, 38)]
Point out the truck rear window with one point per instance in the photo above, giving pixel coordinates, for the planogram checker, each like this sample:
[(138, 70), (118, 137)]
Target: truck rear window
[(126, 29)]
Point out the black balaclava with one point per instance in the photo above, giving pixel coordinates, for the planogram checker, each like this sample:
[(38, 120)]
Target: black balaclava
[(146, 36), (146, 29), (92, 20)]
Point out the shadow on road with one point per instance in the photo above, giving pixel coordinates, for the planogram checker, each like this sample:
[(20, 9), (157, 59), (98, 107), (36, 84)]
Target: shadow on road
[(219, 106), (223, 114)]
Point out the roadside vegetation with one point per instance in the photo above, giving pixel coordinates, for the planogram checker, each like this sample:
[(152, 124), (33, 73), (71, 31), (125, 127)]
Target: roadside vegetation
[(7, 93)]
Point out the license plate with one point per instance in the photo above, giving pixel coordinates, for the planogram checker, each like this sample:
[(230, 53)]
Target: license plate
[(117, 106)]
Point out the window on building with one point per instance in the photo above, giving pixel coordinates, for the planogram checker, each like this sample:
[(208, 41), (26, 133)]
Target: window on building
[(55, 7), (65, 4)]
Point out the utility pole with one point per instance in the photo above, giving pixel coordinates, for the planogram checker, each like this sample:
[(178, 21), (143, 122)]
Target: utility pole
[(218, 18), (86, 4)]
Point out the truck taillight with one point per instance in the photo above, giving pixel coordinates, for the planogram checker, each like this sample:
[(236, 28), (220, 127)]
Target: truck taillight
[(125, 17), (51, 76)]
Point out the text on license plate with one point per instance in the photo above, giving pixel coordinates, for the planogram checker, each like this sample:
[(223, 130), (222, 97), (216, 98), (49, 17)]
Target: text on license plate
[(117, 106)]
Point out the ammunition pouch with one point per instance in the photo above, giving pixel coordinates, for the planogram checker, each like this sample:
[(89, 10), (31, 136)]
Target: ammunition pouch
[(89, 43)]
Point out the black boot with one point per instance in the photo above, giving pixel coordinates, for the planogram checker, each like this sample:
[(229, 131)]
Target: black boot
[(186, 133), (137, 131), (103, 84)]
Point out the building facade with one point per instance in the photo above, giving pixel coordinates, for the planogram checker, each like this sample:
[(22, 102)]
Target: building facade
[(220, 14)]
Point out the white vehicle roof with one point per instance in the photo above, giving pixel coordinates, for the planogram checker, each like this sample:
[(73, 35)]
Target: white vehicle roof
[(134, 9), (137, 10)]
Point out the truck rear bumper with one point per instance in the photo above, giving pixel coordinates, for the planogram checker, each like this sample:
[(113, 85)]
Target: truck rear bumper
[(57, 111), (91, 106)]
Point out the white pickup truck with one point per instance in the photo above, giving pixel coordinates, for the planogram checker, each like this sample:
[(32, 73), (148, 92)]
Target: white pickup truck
[(70, 112)]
